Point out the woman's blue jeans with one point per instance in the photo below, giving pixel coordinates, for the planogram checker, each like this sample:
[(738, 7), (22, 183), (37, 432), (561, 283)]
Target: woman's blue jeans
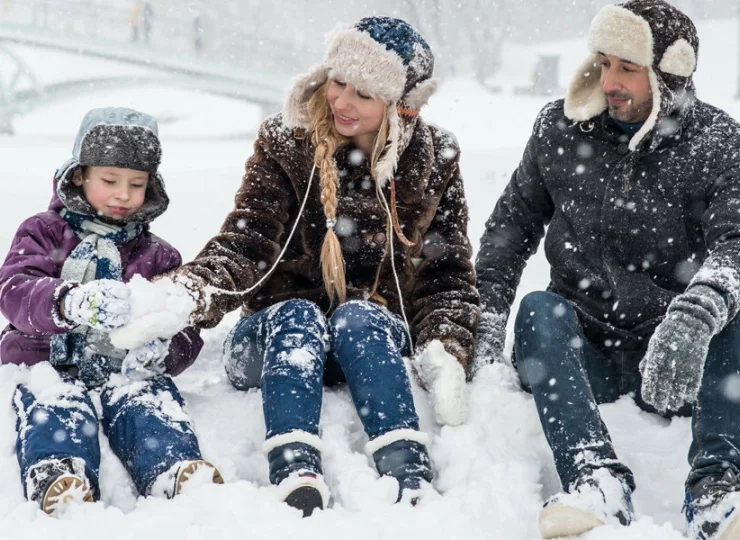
[(290, 349), (569, 376)]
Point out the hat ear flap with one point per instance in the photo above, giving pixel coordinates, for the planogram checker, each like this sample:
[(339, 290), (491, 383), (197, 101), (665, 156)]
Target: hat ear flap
[(294, 110), (679, 59), (418, 96)]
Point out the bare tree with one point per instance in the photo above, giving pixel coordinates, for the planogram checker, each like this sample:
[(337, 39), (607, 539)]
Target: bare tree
[(484, 23), (468, 34)]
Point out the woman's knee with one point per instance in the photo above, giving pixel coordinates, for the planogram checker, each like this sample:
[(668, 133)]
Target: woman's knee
[(242, 355), (356, 325), (356, 319), (358, 315), (297, 314)]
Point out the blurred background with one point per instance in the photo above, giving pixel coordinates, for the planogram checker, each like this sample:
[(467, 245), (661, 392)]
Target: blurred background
[(261, 41)]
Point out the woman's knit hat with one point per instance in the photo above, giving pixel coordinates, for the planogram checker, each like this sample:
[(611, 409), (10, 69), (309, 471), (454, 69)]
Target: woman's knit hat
[(385, 58), (650, 33)]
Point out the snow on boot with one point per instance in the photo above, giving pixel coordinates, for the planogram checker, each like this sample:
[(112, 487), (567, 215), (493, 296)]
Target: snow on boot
[(595, 499), (710, 508), (64, 490), (57, 483), (184, 476), (402, 455), (295, 467), (304, 490), (196, 473)]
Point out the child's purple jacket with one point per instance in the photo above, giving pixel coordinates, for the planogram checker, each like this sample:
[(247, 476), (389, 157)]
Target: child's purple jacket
[(31, 287)]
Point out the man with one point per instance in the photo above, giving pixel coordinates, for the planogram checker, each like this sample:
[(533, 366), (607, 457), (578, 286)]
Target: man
[(639, 183)]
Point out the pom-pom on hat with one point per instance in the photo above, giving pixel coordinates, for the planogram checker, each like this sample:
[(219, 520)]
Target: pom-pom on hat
[(383, 57)]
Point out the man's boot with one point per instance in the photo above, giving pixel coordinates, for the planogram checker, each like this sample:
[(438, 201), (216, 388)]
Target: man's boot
[(596, 498)]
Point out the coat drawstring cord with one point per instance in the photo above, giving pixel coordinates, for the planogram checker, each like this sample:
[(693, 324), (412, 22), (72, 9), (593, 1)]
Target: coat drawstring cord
[(211, 289), (394, 217), (403, 239)]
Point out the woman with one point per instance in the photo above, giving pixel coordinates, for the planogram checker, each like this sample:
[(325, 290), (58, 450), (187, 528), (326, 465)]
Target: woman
[(349, 224)]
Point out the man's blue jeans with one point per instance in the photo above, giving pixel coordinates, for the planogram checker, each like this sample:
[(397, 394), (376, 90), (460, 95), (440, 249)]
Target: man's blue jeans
[(146, 424), (290, 350), (569, 376)]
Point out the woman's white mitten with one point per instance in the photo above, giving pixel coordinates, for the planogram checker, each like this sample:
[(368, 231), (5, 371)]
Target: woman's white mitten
[(444, 379)]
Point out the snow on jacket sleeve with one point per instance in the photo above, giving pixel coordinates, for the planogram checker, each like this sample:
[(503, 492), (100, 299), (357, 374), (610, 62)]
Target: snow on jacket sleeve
[(249, 241), (513, 231), (30, 286), (445, 298), (186, 345), (721, 226)]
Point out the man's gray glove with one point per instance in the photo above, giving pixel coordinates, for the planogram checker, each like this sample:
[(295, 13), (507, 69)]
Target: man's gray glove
[(489, 345), (674, 363)]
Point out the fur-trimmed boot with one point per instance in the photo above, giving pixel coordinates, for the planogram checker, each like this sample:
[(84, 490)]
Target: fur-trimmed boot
[(295, 467), (184, 475), (402, 454), (57, 483)]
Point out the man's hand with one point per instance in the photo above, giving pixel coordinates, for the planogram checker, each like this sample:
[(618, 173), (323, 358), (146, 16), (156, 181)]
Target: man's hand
[(673, 366), (489, 345)]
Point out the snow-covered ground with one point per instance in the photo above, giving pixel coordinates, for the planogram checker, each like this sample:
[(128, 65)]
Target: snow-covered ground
[(493, 472)]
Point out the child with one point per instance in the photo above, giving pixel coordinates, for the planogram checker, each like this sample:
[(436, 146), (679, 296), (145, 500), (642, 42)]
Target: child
[(61, 288)]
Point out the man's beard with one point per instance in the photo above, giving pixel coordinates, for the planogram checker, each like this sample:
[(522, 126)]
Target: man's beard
[(630, 112)]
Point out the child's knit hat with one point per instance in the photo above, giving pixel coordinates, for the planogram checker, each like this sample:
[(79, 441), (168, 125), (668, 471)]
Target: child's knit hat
[(116, 137)]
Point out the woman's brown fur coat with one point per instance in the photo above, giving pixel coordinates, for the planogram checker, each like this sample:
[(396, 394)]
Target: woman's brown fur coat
[(436, 274)]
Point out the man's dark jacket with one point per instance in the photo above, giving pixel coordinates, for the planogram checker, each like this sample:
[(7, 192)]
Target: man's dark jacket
[(627, 230)]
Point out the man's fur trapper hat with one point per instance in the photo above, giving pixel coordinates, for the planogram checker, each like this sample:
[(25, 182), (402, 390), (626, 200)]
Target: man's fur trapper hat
[(650, 33), (384, 57)]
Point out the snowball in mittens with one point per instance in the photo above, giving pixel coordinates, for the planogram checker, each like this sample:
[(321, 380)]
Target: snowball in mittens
[(159, 309)]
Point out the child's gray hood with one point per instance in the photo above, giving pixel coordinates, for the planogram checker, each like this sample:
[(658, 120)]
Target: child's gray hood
[(114, 137)]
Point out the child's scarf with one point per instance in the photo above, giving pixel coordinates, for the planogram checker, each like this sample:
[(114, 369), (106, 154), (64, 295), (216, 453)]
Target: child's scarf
[(95, 257)]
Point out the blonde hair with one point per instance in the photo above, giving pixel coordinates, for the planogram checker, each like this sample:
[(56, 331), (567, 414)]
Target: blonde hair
[(327, 141)]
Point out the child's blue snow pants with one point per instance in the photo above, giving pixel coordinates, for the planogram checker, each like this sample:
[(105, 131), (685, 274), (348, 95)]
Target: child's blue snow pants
[(146, 423)]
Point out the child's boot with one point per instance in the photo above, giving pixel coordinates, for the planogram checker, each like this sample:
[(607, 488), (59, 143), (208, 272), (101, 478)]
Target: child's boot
[(57, 483), (403, 455), (196, 472), (295, 466), (184, 475)]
